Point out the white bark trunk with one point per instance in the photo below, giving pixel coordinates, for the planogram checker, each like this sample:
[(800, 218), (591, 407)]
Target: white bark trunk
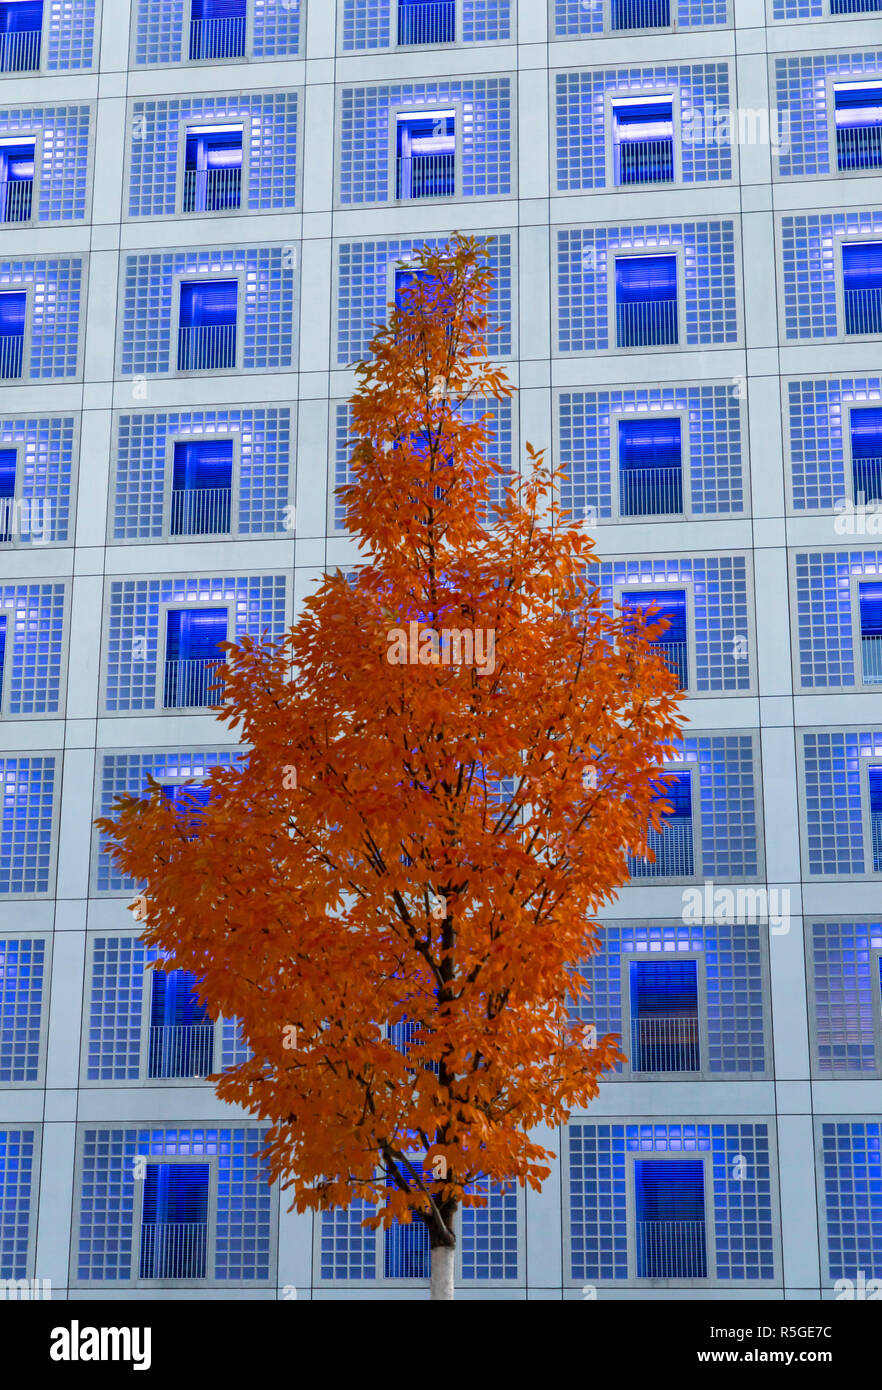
[(443, 1261)]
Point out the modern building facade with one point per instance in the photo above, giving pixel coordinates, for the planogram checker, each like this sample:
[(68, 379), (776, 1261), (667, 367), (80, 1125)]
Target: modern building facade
[(206, 205)]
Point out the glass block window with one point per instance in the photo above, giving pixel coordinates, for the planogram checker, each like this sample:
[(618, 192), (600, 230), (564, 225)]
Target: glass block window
[(847, 998), (108, 1248), (584, 264), (827, 640), (372, 24), (719, 601), (820, 428), (265, 447), (34, 631), (44, 452), (485, 156), (27, 785), (151, 299), (737, 1181), (365, 290), (173, 1233), (127, 773), (801, 95), (852, 1188), (254, 604), (732, 1005), (116, 1001), (21, 35), (164, 34), (499, 448), (18, 1177), (489, 1235), (580, 123), (54, 312), (728, 804), (270, 131), (577, 19), (834, 832), (670, 1219), (587, 422), (69, 34), (22, 961), (59, 138), (810, 253)]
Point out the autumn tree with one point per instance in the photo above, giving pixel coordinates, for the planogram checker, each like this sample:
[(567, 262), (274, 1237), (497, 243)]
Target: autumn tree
[(444, 767)]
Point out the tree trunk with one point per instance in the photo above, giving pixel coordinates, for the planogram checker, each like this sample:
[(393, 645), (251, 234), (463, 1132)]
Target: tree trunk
[(443, 1262)]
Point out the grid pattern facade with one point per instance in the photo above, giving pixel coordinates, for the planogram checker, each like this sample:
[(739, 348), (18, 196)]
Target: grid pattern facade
[(54, 288), (733, 991), (254, 605), (581, 120), (818, 426), (22, 959), (62, 155), (365, 289), (852, 1196), (846, 995), (834, 835), (270, 136), (265, 442), (27, 786), (34, 621), (729, 820), (718, 587), (810, 256), (708, 275), (366, 173), (267, 280), (824, 583), (107, 1245), (162, 33), (115, 1007), (801, 93), (45, 451), (18, 1148), (574, 19)]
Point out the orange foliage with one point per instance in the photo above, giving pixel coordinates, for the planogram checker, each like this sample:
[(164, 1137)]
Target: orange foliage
[(418, 831)]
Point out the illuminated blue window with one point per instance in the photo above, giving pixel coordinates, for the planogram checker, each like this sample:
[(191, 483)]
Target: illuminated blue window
[(213, 168), (191, 654), (671, 1233), (16, 180), (425, 155), (672, 644), (673, 845), (650, 467), (181, 1031), (643, 140), (866, 453), (217, 29), (664, 1015), (640, 14), (202, 487), (207, 325), (13, 310), (404, 278), (875, 780), (8, 464), (174, 1221), (870, 606), (21, 29), (426, 21), (3, 621), (406, 1253), (646, 300), (862, 283), (854, 6), (858, 116)]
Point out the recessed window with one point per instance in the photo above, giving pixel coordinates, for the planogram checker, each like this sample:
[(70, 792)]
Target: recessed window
[(870, 608), (643, 140), (874, 775), (181, 1042), (21, 30), (217, 29), (664, 1015), (213, 168), (426, 21), (862, 286), (207, 325), (671, 1231), (174, 1221), (3, 621), (202, 487), (866, 453), (8, 466), (854, 6), (650, 467), (404, 278), (13, 311), (673, 844), (17, 180), (406, 1253), (858, 118), (640, 14), (426, 155), (192, 656), (646, 301), (671, 605)]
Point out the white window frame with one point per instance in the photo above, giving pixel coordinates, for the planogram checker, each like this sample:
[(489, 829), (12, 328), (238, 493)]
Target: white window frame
[(617, 97), (866, 763), (147, 997), (190, 277), (841, 81), (642, 586), (628, 958), (21, 137), (642, 880), (198, 123), (182, 605), (397, 47), (625, 33), (857, 640), (187, 61), (850, 239), (703, 1156), (217, 436), (155, 1160), (617, 253), (849, 410), (28, 290), (617, 417), (425, 110)]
